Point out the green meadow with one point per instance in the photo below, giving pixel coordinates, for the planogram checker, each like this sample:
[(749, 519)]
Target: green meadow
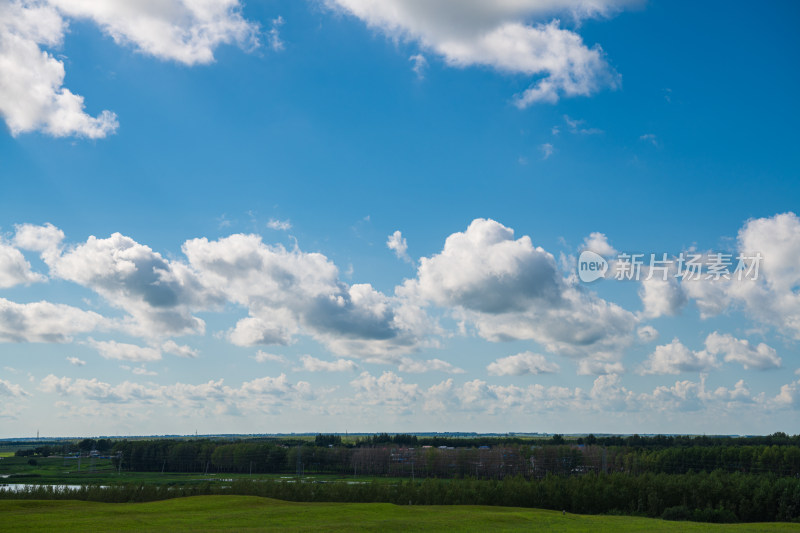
[(249, 513)]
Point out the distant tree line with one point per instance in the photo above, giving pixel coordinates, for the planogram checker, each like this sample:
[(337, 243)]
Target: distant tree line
[(408, 456), (68, 447), (710, 497)]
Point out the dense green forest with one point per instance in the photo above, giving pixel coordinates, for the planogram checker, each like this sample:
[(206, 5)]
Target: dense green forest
[(485, 457), (705, 497), (700, 478)]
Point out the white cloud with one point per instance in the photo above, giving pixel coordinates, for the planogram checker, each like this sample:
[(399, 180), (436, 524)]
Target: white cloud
[(156, 293), (281, 225), (312, 364), (415, 366), (44, 322), (125, 352), (397, 243), (32, 96), (740, 351), (142, 371), (389, 391), (262, 357), (420, 65), (547, 150), (661, 296), (292, 292), (772, 298), (76, 361), (10, 390), (675, 358), (178, 349), (186, 31), (212, 398), (45, 239), (522, 363), (498, 35), (274, 35), (510, 289), (647, 333), (575, 126), (789, 396), (599, 367), (598, 243), (14, 269)]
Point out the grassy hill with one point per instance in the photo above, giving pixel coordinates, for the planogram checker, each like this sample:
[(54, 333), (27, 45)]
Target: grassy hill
[(247, 513)]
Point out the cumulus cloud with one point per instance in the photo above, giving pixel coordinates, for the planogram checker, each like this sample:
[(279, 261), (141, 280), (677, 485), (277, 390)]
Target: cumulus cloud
[(44, 239), (32, 96), (509, 36), (179, 349), (510, 289), (599, 367), (788, 397), (292, 292), (598, 243), (287, 293), (766, 254), (774, 297), (416, 366), (180, 30), (674, 358), (740, 351), (14, 269), (10, 390), (661, 295), (262, 357), (647, 333), (522, 363), (125, 352), (397, 243), (45, 322), (312, 364), (212, 398), (389, 391), (76, 361), (156, 293)]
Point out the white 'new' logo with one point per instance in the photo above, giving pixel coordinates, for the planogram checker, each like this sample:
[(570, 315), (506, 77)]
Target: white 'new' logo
[(591, 266)]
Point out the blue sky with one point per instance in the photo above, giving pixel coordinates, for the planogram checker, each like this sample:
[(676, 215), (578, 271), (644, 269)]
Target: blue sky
[(333, 215)]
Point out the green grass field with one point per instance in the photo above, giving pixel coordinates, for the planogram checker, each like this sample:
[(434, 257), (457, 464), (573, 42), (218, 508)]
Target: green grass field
[(248, 513)]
